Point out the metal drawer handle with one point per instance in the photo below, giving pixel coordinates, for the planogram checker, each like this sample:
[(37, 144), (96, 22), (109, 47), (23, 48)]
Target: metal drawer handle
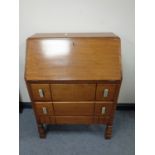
[(103, 110), (106, 93), (41, 93), (44, 110)]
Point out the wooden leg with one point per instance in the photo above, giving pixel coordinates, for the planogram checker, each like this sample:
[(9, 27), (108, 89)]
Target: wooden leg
[(108, 132), (41, 130)]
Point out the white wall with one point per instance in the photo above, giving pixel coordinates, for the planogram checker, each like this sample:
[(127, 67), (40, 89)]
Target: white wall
[(38, 16)]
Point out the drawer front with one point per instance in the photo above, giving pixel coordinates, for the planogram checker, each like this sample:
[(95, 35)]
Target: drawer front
[(73, 108), (41, 92), (45, 108), (73, 92), (74, 119), (105, 92), (103, 109), (47, 119)]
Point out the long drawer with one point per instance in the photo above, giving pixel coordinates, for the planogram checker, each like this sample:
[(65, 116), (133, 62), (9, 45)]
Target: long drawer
[(73, 108), (73, 119), (73, 92)]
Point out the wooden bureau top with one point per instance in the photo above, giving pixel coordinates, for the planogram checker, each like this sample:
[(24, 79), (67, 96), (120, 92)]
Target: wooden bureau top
[(75, 35), (73, 56)]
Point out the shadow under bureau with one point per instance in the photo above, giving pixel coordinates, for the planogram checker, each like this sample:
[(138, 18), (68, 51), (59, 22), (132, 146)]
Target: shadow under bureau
[(73, 78)]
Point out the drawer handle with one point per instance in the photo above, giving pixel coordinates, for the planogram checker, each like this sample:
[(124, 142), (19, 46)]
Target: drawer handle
[(41, 93), (103, 110), (106, 93), (44, 110)]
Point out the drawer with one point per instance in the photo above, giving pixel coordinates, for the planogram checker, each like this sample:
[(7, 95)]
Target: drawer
[(73, 108), (74, 119), (73, 92), (47, 119), (105, 92), (44, 108), (103, 109), (41, 92)]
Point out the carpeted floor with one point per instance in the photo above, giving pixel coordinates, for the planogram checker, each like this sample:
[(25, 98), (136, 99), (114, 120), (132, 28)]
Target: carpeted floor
[(78, 139)]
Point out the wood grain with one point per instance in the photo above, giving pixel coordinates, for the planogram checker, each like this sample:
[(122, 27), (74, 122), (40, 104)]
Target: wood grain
[(103, 119), (73, 58), (35, 92), (73, 108), (73, 92), (40, 105), (47, 119), (74, 119), (100, 90), (108, 108)]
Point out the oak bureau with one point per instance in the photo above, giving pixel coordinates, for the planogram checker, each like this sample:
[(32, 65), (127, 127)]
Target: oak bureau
[(73, 78)]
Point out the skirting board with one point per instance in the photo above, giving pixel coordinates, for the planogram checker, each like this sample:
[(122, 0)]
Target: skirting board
[(120, 106)]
